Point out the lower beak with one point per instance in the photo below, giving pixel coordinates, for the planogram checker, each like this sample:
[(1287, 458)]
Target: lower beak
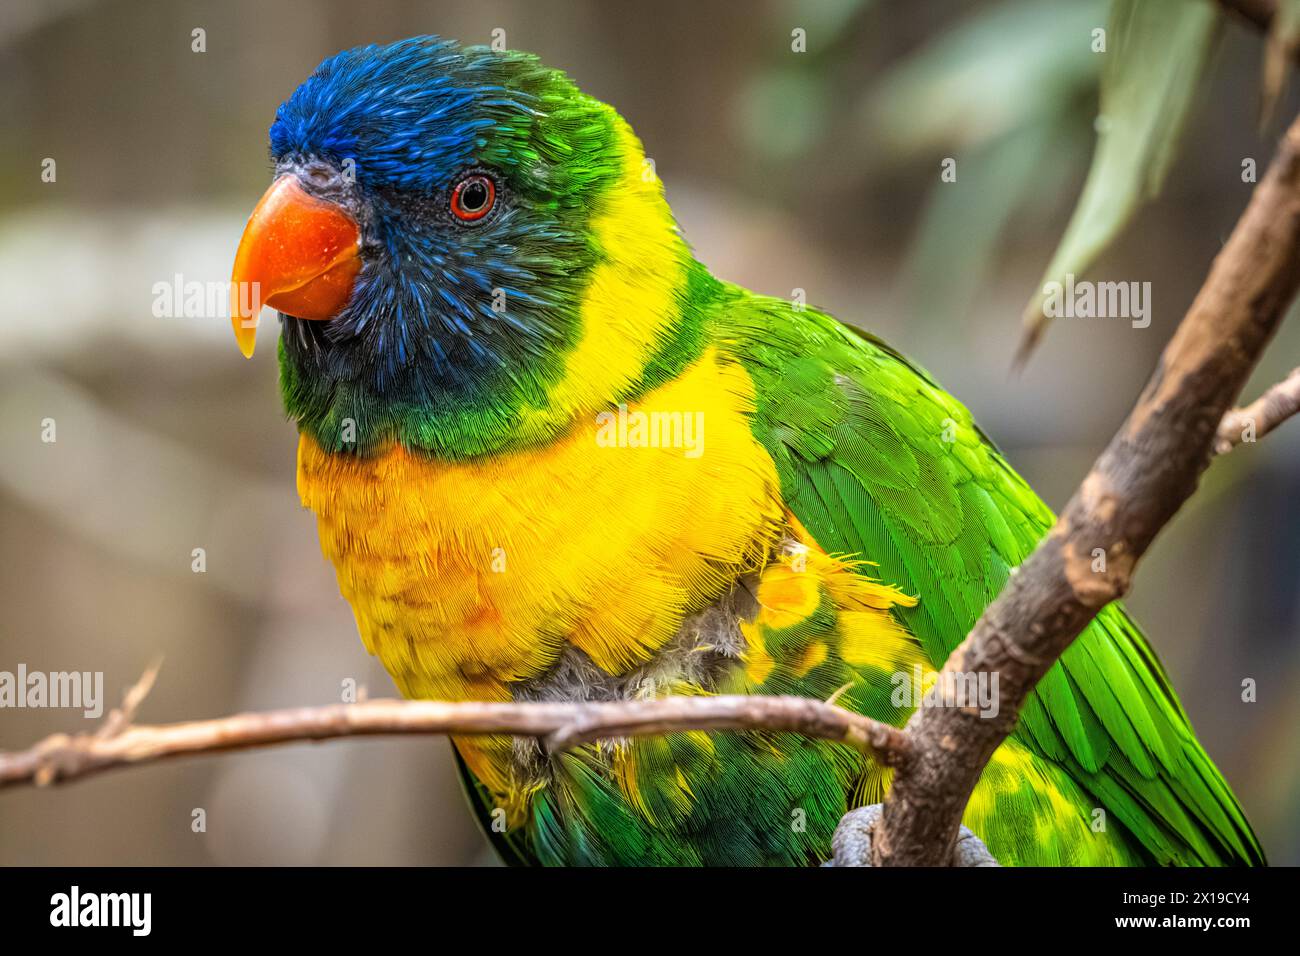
[(298, 254)]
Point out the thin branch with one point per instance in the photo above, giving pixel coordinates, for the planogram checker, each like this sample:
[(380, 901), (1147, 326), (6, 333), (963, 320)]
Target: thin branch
[(61, 757), (1261, 416), (1149, 469), (122, 717)]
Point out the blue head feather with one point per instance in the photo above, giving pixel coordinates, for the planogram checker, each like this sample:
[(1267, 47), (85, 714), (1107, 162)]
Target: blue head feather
[(451, 328)]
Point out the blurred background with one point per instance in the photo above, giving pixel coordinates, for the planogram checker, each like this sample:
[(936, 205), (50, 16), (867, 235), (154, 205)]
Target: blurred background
[(815, 171)]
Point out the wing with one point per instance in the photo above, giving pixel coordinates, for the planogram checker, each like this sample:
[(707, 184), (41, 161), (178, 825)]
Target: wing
[(877, 461), (510, 846)]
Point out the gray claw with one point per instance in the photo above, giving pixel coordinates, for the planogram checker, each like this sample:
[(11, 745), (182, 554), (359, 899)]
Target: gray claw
[(851, 844)]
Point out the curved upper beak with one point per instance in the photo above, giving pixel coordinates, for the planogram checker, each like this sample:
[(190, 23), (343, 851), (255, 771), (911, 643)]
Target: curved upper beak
[(298, 254)]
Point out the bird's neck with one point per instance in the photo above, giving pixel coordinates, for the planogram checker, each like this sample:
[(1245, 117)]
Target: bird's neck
[(643, 311)]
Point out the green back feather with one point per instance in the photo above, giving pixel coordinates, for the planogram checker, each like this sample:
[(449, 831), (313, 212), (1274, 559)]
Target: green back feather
[(878, 461)]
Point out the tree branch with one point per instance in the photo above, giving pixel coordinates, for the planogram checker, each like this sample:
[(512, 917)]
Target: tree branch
[(1261, 416), (1148, 470), (62, 757)]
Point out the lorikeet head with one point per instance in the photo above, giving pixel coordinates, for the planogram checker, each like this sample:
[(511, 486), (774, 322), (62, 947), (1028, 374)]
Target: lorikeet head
[(465, 249)]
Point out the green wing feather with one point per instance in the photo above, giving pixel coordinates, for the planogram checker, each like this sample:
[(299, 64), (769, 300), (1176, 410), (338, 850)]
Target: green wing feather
[(510, 846), (877, 460)]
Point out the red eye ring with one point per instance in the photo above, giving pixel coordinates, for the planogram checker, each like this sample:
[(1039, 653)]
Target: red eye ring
[(473, 197)]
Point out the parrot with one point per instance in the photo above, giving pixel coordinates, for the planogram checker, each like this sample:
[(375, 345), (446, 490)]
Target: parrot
[(552, 458)]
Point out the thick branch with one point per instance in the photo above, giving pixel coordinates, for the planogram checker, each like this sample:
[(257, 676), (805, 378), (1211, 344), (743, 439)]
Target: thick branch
[(1150, 468), (561, 725)]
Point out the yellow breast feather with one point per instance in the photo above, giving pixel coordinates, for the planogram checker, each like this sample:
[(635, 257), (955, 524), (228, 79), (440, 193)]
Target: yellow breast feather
[(467, 576)]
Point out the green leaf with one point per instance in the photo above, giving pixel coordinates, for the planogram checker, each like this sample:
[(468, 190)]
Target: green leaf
[(1156, 53)]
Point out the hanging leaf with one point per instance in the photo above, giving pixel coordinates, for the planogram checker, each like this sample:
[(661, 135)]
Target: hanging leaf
[(1156, 52), (1283, 43)]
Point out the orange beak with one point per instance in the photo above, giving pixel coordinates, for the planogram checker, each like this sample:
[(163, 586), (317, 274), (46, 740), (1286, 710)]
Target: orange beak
[(298, 254)]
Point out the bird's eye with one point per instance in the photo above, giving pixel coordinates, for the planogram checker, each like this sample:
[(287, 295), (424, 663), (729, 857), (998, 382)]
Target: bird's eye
[(473, 197)]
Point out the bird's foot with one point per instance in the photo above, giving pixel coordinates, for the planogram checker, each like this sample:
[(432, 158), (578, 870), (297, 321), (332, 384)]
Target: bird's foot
[(851, 844)]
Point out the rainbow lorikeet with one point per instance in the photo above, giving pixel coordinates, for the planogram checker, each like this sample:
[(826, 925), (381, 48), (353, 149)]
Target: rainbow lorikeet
[(553, 458)]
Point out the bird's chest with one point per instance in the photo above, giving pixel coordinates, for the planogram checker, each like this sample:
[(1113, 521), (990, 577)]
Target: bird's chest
[(469, 577)]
